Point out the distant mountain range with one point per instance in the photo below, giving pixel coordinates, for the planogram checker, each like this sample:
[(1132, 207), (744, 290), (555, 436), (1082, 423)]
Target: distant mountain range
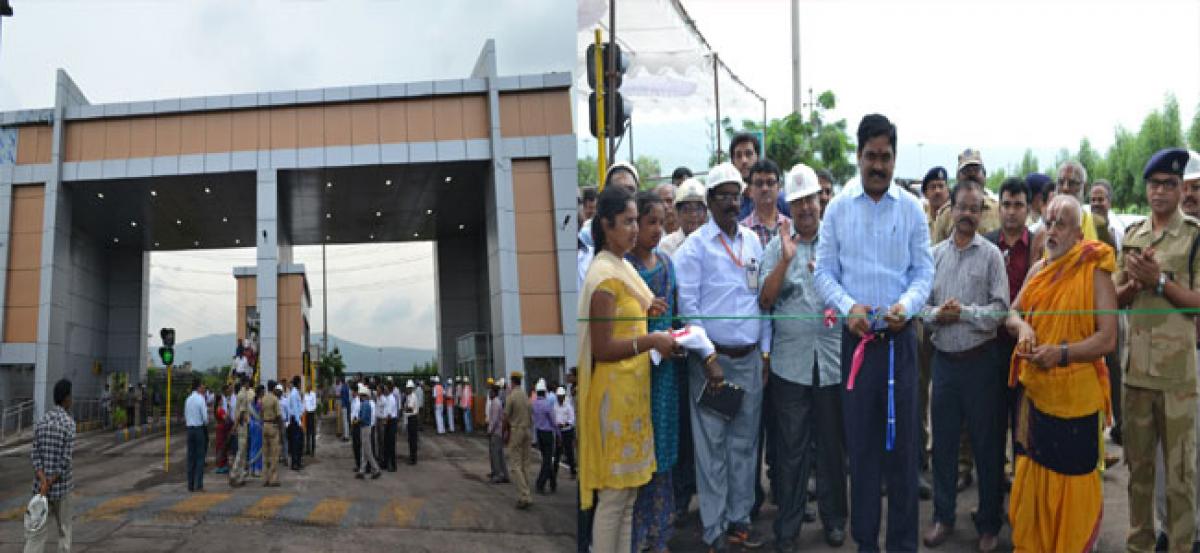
[(216, 350)]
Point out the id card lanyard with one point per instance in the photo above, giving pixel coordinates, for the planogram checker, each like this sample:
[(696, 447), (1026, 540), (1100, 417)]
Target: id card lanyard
[(751, 269)]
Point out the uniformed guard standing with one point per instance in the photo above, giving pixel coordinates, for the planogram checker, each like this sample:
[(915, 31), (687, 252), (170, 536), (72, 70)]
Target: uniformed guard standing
[(1160, 381), (272, 418), (518, 422), (241, 422)]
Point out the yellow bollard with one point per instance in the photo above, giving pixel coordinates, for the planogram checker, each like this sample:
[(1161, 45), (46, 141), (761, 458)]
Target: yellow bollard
[(167, 453)]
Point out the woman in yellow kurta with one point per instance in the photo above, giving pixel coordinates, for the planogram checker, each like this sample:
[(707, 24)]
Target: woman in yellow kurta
[(1057, 503), (616, 446)]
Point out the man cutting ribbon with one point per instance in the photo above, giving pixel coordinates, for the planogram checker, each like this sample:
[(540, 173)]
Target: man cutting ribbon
[(873, 250)]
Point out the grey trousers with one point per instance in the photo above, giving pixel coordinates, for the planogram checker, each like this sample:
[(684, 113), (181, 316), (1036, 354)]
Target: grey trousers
[(1160, 483), (496, 450), (368, 454), (725, 450), (60, 511)]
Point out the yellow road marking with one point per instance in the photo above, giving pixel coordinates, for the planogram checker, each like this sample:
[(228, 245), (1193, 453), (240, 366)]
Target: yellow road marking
[(13, 514), (117, 506), (402, 513), (194, 505), (329, 511), (465, 514), (267, 506)]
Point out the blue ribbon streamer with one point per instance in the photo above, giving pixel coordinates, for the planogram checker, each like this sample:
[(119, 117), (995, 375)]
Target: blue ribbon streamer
[(890, 443)]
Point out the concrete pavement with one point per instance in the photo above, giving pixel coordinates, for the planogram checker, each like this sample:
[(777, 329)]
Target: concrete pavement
[(124, 501)]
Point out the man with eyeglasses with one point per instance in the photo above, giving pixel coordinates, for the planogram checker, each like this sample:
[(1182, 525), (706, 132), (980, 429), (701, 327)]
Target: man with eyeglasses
[(766, 218), (970, 168), (1155, 280), (968, 300)]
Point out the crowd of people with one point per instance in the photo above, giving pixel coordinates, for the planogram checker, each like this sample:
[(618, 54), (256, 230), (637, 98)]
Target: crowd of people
[(881, 340)]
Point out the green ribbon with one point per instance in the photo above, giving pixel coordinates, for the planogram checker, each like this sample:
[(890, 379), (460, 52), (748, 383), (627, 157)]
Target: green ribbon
[(977, 314)]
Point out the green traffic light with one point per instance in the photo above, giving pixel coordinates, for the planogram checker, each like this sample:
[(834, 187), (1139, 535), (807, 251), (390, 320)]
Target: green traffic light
[(167, 354)]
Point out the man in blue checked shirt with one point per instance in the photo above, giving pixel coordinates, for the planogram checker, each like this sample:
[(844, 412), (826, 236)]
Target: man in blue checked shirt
[(873, 256), (53, 449), (717, 268)]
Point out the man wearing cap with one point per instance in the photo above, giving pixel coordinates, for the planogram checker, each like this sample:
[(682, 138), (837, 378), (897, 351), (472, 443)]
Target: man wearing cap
[(439, 397), (547, 437), (272, 419), (873, 255), (935, 193), (1191, 207), (1153, 280), (805, 399), (970, 167), (366, 420), (412, 423), (564, 419), (718, 269), (968, 299), (691, 211), (518, 417)]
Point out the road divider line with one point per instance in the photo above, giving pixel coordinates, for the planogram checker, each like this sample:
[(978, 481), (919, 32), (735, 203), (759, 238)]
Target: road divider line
[(193, 506), (329, 511), (114, 508), (267, 506), (402, 513)]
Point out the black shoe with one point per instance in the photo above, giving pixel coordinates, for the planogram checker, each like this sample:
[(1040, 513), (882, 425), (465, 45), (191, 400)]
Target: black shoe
[(1162, 544), (553, 487), (924, 490), (745, 536), (810, 514), (964, 481), (835, 537)]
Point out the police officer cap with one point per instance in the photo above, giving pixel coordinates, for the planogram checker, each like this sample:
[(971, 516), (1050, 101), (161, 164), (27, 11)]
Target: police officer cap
[(1167, 160), (937, 173)]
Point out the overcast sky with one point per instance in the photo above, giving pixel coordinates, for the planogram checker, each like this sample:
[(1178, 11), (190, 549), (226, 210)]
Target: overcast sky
[(380, 295), (999, 76)]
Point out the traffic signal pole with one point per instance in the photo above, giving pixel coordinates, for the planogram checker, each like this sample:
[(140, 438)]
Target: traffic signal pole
[(602, 160), (167, 452)]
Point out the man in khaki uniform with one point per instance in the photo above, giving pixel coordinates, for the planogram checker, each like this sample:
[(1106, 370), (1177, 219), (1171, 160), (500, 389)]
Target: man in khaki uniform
[(241, 423), (970, 167), (1160, 380), (272, 418), (518, 420)]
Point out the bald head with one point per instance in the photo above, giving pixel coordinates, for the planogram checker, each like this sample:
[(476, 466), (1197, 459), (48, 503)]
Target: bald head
[(1063, 215)]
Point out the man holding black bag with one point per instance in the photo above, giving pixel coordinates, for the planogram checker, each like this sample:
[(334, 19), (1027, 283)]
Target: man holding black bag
[(717, 269)]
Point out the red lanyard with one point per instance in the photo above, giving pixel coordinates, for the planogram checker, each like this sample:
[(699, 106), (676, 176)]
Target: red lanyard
[(737, 259)]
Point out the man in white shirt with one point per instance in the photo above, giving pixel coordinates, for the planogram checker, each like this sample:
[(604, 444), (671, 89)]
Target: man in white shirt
[(285, 426), (564, 418), (295, 413), (355, 443), (412, 423), (391, 413), (195, 413), (310, 421)]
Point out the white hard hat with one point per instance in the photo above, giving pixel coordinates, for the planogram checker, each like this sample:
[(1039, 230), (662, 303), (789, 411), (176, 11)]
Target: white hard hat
[(500, 382), (560, 391), (723, 173), (626, 166), (541, 385), (690, 190), (410, 384), (1192, 169), (278, 388), (435, 378), (801, 182), (363, 390)]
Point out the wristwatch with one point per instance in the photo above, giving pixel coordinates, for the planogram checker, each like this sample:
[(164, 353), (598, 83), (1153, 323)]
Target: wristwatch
[(1064, 354), (1162, 282)]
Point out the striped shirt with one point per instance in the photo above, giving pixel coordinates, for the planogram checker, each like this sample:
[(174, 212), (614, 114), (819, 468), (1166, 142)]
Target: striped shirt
[(976, 277), (53, 447), (874, 253)]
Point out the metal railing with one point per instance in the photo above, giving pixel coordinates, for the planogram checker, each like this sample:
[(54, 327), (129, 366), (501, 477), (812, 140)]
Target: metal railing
[(87, 409), (15, 419)]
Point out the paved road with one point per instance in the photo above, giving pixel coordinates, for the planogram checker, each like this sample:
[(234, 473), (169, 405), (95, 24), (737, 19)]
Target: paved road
[(124, 502)]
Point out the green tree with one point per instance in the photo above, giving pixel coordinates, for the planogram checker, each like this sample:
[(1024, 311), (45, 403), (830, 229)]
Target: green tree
[(796, 139), (586, 174), (1193, 135), (1029, 164), (330, 367), (649, 170)]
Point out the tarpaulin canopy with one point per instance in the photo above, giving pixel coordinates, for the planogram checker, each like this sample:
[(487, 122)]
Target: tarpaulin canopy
[(670, 73)]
